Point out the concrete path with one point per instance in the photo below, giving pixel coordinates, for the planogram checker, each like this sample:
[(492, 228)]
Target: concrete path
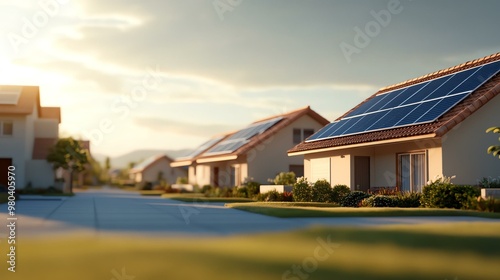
[(114, 211)]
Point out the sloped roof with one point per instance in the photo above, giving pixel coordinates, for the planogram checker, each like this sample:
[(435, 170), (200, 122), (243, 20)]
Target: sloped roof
[(439, 127), (287, 119), (29, 99), (145, 164)]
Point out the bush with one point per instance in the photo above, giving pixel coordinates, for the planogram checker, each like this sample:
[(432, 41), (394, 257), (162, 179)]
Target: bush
[(339, 192), (302, 191), (253, 188), (321, 191), (182, 181), (380, 201), (240, 192), (145, 186), (409, 199), (273, 196), (489, 182), (287, 197), (485, 205), (285, 178), (354, 199), (443, 194), (207, 190)]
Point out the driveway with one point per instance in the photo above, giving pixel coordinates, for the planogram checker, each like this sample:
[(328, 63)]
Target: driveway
[(114, 211)]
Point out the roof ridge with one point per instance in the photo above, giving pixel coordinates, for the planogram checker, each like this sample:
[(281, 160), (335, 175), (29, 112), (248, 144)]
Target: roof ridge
[(443, 72), (306, 108)]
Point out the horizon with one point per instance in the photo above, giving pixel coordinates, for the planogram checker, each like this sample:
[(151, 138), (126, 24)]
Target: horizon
[(170, 75)]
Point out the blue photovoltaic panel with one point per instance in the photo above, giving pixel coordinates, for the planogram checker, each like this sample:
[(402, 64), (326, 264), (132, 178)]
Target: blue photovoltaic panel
[(416, 104), (241, 137), (202, 148)]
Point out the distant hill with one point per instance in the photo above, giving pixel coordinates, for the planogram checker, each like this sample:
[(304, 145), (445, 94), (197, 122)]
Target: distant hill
[(138, 156)]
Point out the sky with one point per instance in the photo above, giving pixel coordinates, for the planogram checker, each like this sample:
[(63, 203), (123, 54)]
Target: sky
[(170, 74)]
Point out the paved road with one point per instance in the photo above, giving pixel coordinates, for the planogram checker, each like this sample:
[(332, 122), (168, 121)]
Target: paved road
[(113, 211)]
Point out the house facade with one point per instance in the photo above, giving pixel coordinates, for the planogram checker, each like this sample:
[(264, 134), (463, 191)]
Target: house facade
[(256, 152), (155, 169), (27, 131), (409, 133)]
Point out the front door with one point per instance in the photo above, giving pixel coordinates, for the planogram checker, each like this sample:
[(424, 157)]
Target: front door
[(4, 168), (362, 173)]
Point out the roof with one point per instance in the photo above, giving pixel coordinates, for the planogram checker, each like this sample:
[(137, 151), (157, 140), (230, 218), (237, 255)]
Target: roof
[(287, 119), (29, 99), (41, 147), (145, 164), (438, 128)]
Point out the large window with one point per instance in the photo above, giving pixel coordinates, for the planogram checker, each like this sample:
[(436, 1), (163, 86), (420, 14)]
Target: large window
[(300, 135), (412, 171), (6, 128)]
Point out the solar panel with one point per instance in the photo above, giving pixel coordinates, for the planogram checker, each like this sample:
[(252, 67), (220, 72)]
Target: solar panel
[(201, 148), (415, 104), (241, 137)]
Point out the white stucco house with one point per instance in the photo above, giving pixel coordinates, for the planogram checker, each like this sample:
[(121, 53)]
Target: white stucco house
[(408, 133), (156, 168), (27, 131), (257, 152)]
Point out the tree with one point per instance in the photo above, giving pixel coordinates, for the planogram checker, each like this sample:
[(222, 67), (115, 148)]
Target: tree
[(495, 149), (68, 155)]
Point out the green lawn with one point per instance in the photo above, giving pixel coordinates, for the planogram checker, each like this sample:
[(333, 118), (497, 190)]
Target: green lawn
[(283, 210), (200, 198), (446, 251)]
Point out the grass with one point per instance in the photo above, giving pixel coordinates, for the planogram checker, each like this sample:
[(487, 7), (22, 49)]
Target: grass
[(152, 192), (410, 252), (199, 197), (297, 211)]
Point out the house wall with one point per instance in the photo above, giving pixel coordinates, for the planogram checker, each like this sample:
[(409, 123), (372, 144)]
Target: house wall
[(15, 147), (170, 174), (270, 158), (465, 147), (383, 162), (45, 128), (39, 174)]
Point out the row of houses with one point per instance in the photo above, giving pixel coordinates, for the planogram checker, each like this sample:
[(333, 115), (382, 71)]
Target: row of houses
[(400, 137)]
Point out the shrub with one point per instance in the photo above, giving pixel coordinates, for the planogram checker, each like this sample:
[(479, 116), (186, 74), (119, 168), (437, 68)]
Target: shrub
[(145, 186), (485, 205), (273, 196), (384, 191), (253, 188), (354, 199), (182, 180), (207, 190), (287, 197), (302, 191), (441, 193), (240, 192), (321, 191), (409, 199), (489, 182), (339, 192), (380, 201), (285, 178)]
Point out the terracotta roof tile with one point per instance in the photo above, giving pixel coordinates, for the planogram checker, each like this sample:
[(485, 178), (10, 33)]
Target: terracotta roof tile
[(440, 127)]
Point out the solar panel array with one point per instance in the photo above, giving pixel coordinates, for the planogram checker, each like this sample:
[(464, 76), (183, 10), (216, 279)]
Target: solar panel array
[(202, 148), (416, 104), (241, 137)]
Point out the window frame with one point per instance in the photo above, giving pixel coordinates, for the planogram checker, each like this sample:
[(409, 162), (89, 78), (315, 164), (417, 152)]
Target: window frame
[(399, 168), (2, 128), (301, 134)]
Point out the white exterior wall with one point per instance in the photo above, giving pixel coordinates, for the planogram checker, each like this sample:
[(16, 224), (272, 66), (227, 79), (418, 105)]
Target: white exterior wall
[(270, 158), (383, 162), (15, 147), (170, 174), (465, 147), (40, 174)]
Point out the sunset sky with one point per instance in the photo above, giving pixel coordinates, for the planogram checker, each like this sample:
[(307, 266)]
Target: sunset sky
[(170, 74)]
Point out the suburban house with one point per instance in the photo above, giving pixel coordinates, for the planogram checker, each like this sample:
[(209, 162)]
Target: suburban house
[(257, 152), (408, 133), (155, 169), (27, 131)]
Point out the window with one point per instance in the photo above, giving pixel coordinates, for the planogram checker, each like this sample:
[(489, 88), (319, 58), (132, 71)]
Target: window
[(412, 171), (299, 135), (297, 169), (6, 128)]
